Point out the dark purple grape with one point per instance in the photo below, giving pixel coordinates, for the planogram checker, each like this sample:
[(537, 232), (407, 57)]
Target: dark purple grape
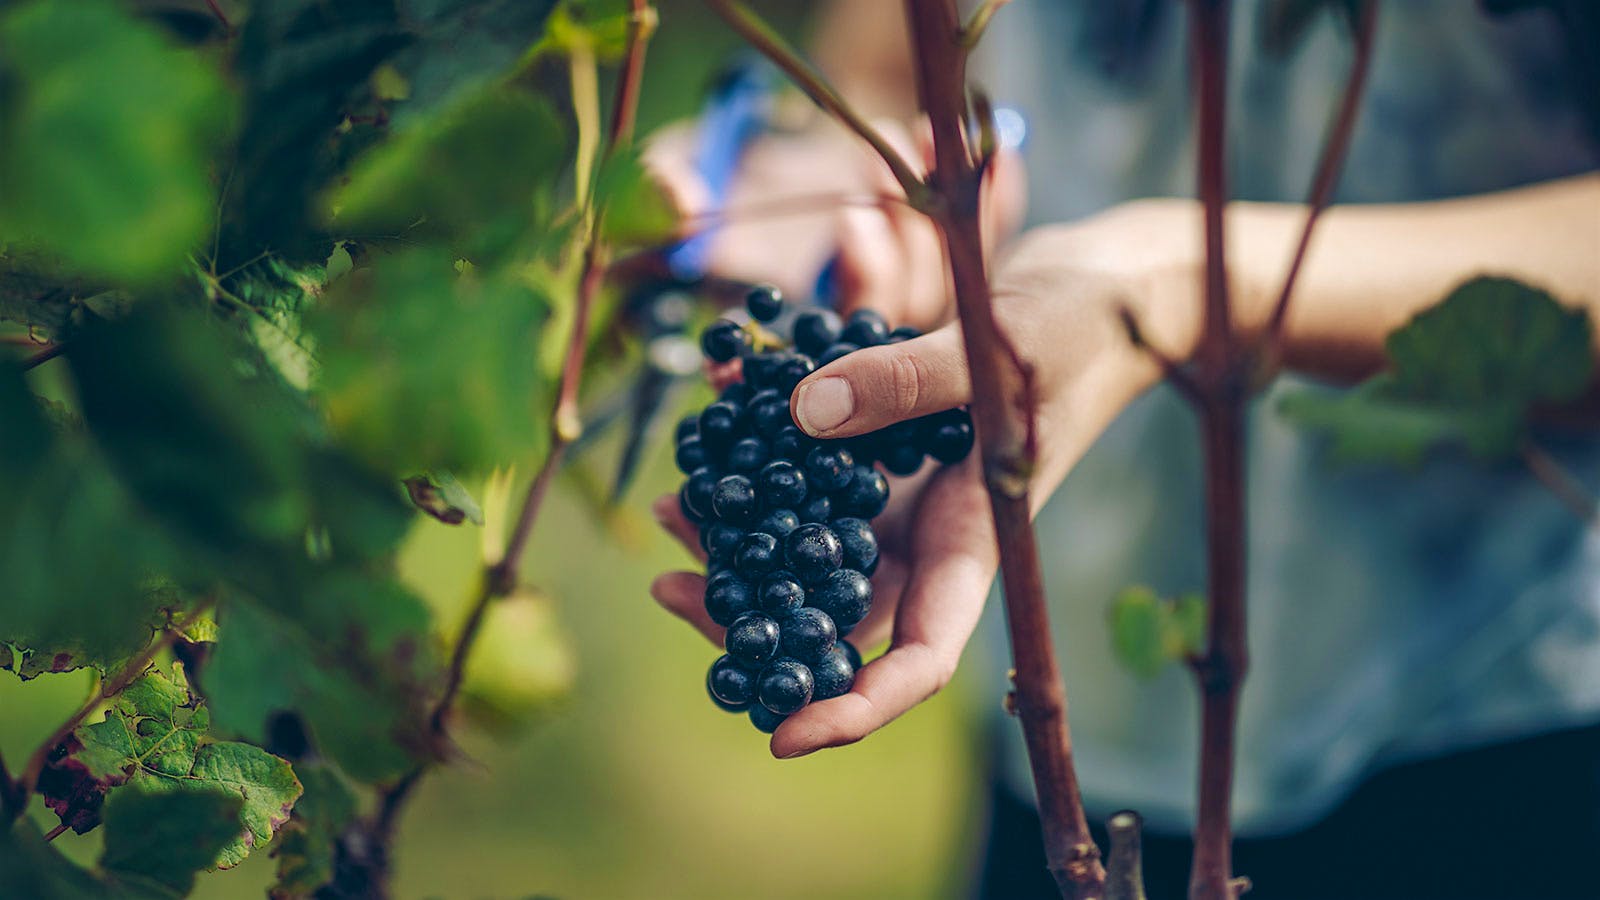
[(836, 352), (721, 540), (765, 720), (794, 370), (688, 426), (850, 651), (817, 508), (728, 597), (864, 328), (812, 551), (731, 686), (859, 543), (828, 468), (845, 595), (784, 687), (832, 675), (757, 555), (780, 483), (720, 426), (698, 489), (764, 302), (864, 497), (792, 444), (760, 370), (753, 639), (738, 393), (778, 523), (723, 340), (948, 436), (691, 515), (780, 593), (902, 459), (691, 454), (771, 418), (815, 331), (748, 455), (808, 633), (734, 499), (903, 333)]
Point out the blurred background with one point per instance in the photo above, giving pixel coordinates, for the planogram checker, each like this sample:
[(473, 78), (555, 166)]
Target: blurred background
[(632, 784)]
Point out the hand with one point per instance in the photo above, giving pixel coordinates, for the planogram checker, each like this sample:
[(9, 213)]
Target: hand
[(803, 197), (1057, 294)]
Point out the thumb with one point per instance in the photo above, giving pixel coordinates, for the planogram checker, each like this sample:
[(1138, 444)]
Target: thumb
[(878, 386)]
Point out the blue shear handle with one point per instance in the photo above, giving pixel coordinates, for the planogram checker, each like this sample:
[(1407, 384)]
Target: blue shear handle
[(735, 113)]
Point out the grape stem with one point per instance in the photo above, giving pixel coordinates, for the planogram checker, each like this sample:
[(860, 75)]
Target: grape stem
[(501, 576)]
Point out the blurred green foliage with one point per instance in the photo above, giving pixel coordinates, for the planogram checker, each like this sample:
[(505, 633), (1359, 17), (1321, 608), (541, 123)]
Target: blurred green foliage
[(293, 259)]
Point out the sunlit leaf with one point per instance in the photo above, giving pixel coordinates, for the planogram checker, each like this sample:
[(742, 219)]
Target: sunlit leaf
[(156, 736), (638, 210)]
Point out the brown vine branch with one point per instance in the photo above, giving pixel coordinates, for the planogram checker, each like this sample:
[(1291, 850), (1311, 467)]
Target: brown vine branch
[(761, 36), (55, 832), (227, 27), (1567, 488), (42, 357), (1171, 369), (500, 577), (109, 688), (1039, 697), (1335, 146), (1220, 671)]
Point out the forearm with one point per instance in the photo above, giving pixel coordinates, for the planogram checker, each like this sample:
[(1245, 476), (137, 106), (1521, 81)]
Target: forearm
[(1370, 268)]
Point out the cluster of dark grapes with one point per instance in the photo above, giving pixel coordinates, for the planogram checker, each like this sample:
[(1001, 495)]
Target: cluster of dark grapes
[(785, 518)]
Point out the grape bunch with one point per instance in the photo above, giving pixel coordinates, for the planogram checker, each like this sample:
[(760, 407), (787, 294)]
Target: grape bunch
[(785, 519)]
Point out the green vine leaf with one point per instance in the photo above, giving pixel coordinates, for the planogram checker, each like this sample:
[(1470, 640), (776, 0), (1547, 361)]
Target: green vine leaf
[(346, 650), (155, 844), (1468, 372), (109, 132), (424, 369), (157, 736), (638, 211), (1148, 631), (160, 839), (305, 850), (302, 64), (463, 45), (469, 174)]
